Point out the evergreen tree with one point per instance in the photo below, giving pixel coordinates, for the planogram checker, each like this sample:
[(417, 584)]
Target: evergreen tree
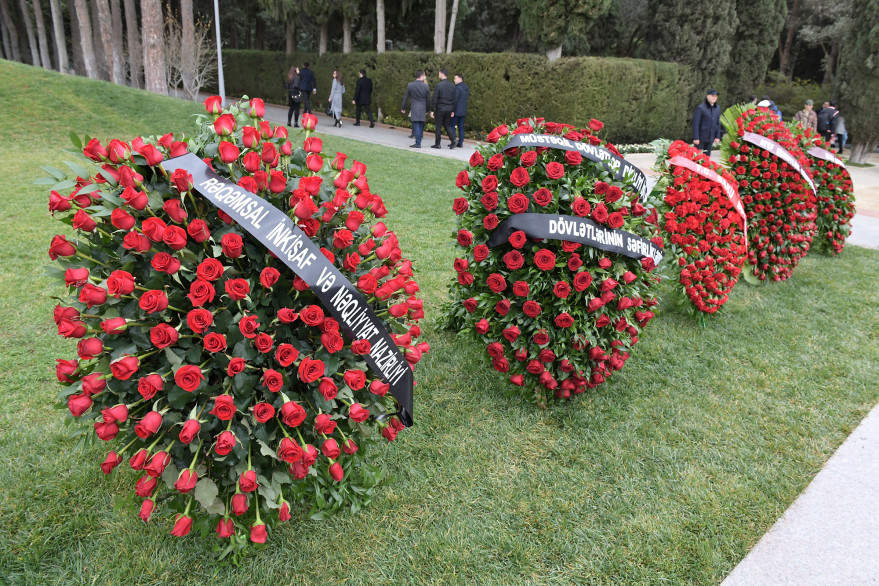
[(555, 23), (756, 40), (698, 34), (858, 78)]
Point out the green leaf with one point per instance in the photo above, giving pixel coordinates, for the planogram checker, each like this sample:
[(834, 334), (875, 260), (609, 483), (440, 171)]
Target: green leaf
[(173, 358), (75, 140), (66, 184), (78, 169), (206, 492), (45, 181), (216, 508), (58, 174), (265, 450), (170, 475)]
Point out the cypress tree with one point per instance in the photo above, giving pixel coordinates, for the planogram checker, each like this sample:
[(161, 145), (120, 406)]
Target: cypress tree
[(756, 39), (555, 23), (858, 78), (698, 34)]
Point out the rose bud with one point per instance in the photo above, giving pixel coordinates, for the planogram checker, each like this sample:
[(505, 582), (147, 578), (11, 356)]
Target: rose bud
[(113, 459), (106, 431), (139, 459), (118, 413), (224, 125), (248, 482), (150, 423), (93, 384), (258, 533), (284, 511), (389, 433), (350, 447), (79, 404), (182, 526), (213, 104), (60, 247), (358, 413), (225, 443), (124, 367), (309, 121), (186, 481), (95, 151), (239, 504), (146, 509), (225, 527), (257, 108), (330, 449), (190, 430), (336, 472), (228, 152), (157, 464), (145, 486), (72, 329)]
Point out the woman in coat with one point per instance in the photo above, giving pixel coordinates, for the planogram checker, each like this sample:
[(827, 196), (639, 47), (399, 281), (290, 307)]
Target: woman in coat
[(335, 99), (293, 90)]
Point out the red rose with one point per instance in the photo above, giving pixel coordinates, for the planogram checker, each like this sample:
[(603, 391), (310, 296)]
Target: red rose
[(520, 288), (517, 239), (480, 252), (555, 170), (379, 388), (518, 203), (286, 354), (231, 244), (237, 289), (76, 277), (462, 180), (528, 158), (310, 370), (186, 480), (600, 188), (465, 238), (83, 221), (198, 230), (79, 404), (531, 308), (188, 377), (514, 260), (358, 413), (490, 222), (519, 177), (564, 320), (561, 289), (313, 315), (615, 220), (292, 414), (214, 342), (165, 263), (189, 431), (200, 292), (355, 379), (581, 207), (273, 380), (224, 444), (460, 205), (199, 320), (482, 326), (89, 348), (60, 247), (582, 280), (236, 366), (124, 367), (489, 183), (150, 423), (599, 213), (92, 295), (248, 326), (337, 472), (153, 301), (573, 158), (496, 282), (476, 159), (470, 304), (495, 162), (544, 259), (263, 343)]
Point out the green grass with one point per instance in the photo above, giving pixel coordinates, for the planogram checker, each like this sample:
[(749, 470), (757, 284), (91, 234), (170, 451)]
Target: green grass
[(668, 473)]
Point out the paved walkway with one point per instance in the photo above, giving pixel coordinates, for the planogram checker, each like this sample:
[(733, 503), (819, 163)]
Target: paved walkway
[(830, 535)]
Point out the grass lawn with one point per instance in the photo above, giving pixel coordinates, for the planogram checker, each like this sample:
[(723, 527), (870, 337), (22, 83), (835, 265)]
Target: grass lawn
[(668, 473)]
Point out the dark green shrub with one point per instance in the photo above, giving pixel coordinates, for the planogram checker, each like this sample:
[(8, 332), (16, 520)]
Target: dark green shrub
[(638, 100)]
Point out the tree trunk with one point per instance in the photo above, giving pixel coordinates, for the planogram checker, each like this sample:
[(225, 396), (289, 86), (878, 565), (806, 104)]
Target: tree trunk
[(553, 54), (111, 52), (830, 64), (153, 47), (380, 26), (187, 44), (452, 26), (85, 39), (45, 55), (346, 34), (439, 27), (60, 37), (101, 58), (29, 29), (11, 36), (860, 151), (291, 36), (322, 44), (118, 43), (135, 54), (784, 58)]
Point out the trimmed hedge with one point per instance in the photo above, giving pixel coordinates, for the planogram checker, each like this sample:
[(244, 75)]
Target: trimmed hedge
[(638, 100)]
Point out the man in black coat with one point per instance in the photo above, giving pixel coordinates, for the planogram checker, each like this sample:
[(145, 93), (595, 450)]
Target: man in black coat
[(706, 123), (363, 98), (443, 108), (308, 85), (462, 96), (417, 95)]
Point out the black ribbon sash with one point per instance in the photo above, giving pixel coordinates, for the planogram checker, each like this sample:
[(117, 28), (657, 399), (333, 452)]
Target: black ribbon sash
[(280, 235), (574, 229), (622, 169)]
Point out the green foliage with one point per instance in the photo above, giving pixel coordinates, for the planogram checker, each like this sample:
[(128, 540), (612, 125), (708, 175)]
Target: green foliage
[(859, 73), (637, 100), (552, 22), (756, 39), (698, 34)]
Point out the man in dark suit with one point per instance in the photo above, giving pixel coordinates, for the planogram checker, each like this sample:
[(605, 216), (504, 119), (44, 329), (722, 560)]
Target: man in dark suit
[(418, 94), (706, 123), (363, 98), (308, 85), (443, 108), (462, 96)]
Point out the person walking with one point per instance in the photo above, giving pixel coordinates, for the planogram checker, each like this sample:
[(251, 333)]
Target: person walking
[(363, 98), (807, 116), (335, 99), (417, 95), (828, 120), (706, 123), (841, 134), (308, 85), (462, 96), (442, 109), (294, 96)]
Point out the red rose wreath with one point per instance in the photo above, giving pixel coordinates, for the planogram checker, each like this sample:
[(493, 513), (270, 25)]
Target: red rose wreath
[(775, 186), (554, 315), (227, 386), (835, 197), (702, 224)]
